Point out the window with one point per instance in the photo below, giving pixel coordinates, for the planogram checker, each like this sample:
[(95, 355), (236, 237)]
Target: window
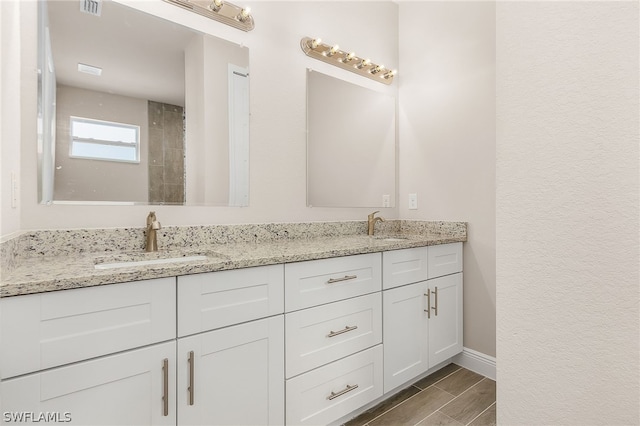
[(104, 140)]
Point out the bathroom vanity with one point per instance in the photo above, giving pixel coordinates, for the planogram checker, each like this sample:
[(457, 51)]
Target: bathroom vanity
[(299, 336)]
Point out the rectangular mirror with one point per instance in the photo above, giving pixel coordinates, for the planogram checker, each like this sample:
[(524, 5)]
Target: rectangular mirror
[(135, 109), (351, 144)]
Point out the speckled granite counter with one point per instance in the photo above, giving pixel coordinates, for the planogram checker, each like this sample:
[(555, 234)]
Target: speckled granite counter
[(70, 265)]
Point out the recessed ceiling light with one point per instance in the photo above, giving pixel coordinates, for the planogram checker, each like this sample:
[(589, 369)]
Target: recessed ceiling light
[(89, 69)]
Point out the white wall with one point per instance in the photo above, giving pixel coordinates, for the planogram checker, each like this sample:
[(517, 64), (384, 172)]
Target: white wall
[(447, 138), (567, 213), (278, 155), (9, 114)]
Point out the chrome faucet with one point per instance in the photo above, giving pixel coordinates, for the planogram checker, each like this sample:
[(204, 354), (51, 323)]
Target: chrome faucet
[(372, 219), (152, 236)]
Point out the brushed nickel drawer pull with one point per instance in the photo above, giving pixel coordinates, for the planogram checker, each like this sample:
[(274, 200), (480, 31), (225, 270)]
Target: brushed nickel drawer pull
[(345, 278), (342, 392), (435, 307), (165, 387), (428, 310), (344, 330), (191, 389)]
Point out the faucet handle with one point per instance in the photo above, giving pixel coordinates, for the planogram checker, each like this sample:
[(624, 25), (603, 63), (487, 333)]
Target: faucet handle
[(155, 225)]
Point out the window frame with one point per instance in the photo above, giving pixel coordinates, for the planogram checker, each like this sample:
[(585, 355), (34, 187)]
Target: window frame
[(104, 142)]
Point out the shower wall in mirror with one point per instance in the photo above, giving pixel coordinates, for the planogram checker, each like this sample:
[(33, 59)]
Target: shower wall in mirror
[(144, 111), (351, 144)]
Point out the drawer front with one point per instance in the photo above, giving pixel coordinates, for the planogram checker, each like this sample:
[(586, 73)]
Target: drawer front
[(333, 391), (444, 259), (320, 335), (218, 299), (51, 329), (317, 282), (400, 267)]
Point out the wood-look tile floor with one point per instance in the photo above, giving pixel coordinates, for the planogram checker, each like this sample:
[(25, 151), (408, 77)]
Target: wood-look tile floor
[(452, 396)]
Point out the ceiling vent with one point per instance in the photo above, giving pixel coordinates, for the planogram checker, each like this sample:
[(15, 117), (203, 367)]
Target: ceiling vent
[(92, 7)]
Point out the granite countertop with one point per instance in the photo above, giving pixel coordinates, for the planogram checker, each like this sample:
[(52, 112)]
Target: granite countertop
[(52, 273)]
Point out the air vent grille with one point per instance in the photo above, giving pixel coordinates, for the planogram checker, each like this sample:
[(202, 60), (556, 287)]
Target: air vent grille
[(92, 7)]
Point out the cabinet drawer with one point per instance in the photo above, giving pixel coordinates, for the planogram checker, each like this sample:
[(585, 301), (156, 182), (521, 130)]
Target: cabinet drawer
[(218, 299), (400, 267), (330, 392), (444, 259), (320, 335), (50, 329), (317, 282)]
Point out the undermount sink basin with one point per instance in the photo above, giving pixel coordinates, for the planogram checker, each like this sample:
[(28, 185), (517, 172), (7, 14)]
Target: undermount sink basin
[(131, 260), (390, 238)]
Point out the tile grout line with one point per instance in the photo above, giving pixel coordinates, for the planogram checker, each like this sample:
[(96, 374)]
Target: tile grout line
[(417, 393), (486, 409)]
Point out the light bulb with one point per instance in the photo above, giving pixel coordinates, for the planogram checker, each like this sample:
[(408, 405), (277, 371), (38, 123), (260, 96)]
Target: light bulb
[(390, 74), (315, 42), (216, 5), (377, 69), (333, 50), (349, 57), (364, 63), (244, 14)]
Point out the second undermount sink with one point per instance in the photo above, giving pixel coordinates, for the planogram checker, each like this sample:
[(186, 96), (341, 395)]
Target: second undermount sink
[(390, 238), (131, 260)]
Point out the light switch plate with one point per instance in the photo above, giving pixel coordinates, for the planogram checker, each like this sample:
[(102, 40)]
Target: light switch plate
[(386, 200)]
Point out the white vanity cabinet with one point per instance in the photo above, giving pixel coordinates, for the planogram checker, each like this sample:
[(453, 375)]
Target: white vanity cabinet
[(422, 320), (230, 358), (74, 352), (333, 337)]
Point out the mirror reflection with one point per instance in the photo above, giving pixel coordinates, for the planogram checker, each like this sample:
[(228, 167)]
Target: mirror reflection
[(139, 110), (351, 144)]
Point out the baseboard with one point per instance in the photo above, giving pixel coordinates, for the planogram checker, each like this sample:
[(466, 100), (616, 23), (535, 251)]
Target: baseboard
[(476, 361)]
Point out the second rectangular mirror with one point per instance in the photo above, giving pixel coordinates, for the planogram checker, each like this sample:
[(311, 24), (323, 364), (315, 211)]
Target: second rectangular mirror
[(351, 144)]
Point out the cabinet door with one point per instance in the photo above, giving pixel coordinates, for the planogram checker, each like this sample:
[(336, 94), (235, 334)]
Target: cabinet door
[(445, 324), (124, 389), (405, 332), (235, 376)]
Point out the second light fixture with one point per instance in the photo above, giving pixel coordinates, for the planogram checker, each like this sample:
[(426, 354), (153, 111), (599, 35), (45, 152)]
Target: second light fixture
[(314, 48)]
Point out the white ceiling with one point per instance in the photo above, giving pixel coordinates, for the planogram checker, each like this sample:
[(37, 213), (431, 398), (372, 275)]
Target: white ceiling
[(140, 55)]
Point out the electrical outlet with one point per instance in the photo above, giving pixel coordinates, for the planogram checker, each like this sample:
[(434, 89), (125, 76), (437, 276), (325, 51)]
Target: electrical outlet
[(386, 200), (413, 201)]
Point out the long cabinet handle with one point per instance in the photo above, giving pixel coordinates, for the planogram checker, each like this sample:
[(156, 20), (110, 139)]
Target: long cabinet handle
[(435, 307), (191, 389), (344, 330), (165, 387), (334, 395), (345, 278), (428, 310)]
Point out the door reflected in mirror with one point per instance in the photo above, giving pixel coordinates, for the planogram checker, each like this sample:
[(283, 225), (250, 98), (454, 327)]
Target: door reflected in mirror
[(351, 144), (136, 109)]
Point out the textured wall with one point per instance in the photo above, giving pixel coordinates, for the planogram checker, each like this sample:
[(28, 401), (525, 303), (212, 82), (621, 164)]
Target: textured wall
[(567, 213), (447, 138)]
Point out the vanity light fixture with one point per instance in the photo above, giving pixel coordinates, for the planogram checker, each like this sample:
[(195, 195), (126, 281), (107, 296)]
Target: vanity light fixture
[(314, 48), (219, 10)]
